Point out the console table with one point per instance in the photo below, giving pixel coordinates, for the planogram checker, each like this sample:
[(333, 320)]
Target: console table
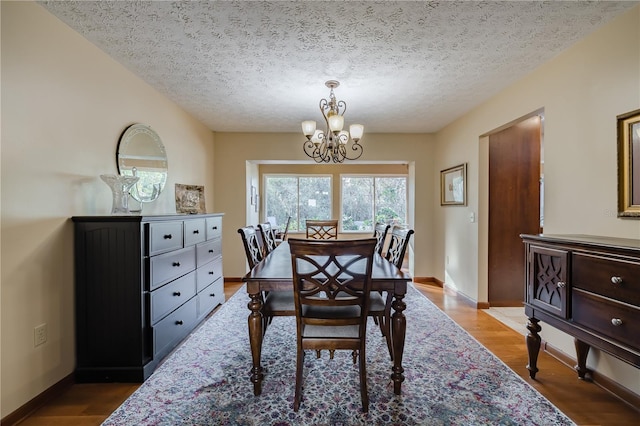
[(143, 283), (588, 287)]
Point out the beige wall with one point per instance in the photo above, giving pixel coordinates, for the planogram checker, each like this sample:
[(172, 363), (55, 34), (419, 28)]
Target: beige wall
[(64, 105), (233, 151), (581, 91)]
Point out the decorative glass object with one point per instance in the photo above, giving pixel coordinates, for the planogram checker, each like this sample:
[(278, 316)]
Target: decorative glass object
[(120, 186)]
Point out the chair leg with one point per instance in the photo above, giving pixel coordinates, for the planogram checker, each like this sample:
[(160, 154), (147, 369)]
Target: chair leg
[(386, 325), (364, 394), (298, 393)]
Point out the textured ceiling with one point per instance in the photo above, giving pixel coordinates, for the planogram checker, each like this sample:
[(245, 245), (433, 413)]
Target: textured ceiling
[(403, 66)]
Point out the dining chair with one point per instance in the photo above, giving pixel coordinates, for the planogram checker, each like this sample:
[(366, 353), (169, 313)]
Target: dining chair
[(331, 308), (251, 244), (380, 308), (274, 303), (380, 234), (322, 229), (283, 236), (268, 237)]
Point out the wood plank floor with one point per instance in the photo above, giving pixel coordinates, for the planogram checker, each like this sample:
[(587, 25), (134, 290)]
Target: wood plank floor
[(585, 403)]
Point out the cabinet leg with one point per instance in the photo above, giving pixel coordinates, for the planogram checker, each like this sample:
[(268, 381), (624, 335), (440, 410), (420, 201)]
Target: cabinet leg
[(533, 345), (582, 350)]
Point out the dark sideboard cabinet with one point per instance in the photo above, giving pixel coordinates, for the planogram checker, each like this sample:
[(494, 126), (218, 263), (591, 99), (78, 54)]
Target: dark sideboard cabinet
[(588, 287), (143, 283)]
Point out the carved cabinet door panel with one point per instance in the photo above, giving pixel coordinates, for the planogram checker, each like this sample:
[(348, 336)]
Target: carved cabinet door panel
[(548, 284)]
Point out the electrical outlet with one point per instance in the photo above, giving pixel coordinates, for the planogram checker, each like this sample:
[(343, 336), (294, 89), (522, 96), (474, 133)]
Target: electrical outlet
[(40, 335)]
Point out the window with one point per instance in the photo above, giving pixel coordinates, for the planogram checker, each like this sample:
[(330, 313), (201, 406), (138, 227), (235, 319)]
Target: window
[(301, 197), (370, 199)]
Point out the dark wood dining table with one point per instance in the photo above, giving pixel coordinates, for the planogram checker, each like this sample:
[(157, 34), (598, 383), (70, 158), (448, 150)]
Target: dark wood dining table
[(274, 273)]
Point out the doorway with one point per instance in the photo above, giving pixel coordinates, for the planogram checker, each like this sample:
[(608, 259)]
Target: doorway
[(514, 206)]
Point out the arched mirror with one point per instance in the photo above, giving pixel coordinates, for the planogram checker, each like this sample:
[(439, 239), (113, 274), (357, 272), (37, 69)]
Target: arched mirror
[(141, 153)]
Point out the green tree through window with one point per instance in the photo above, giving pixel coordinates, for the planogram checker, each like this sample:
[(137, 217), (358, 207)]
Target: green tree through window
[(370, 199), (301, 197)]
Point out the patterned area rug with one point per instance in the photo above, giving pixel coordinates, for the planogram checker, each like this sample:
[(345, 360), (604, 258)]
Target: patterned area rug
[(450, 379)]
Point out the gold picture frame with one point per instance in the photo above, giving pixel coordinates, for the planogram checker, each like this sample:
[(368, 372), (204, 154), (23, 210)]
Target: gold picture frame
[(453, 186), (629, 164), (190, 199)]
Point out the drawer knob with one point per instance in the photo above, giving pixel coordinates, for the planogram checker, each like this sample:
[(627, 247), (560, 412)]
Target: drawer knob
[(210, 272), (179, 322), (196, 231), (212, 295), (561, 284), (616, 321), (168, 236), (211, 251), (616, 280), (214, 228), (176, 263), (176, 293)]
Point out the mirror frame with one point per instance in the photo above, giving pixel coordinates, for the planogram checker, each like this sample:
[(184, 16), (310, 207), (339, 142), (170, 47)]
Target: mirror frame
[(629, 164), (126, 139)]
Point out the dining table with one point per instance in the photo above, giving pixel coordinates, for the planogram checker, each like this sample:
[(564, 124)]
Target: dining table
[(274, 273)]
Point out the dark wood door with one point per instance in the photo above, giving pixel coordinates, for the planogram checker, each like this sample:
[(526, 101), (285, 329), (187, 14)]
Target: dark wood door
[(514, 207)]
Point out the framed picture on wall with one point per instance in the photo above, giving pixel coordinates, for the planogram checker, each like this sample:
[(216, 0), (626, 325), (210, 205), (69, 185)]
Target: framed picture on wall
[(629, 164), (190, 199), (453, 186)]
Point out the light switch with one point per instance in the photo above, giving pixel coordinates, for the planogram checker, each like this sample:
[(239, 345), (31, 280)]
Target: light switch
[(472, 217)]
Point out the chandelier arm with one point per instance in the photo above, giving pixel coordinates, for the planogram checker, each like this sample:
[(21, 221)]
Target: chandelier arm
[(319, 153), (357, 151), (342, 107)]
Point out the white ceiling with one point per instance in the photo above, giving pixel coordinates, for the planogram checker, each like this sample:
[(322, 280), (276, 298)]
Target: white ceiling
[(403, 66)]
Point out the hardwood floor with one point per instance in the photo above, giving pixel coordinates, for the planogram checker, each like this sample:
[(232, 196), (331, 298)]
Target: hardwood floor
[(584, 402)]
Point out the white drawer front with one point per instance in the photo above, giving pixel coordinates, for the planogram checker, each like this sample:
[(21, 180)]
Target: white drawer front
[(209, 273), (168, 332), (170, 296), (194, 231), (210, 297), (214, 227), (206, 252), (169, 266), (165, 236)]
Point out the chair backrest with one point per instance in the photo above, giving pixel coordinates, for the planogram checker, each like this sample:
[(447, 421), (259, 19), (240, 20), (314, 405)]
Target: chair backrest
[(322, 229), (398, 245), (251, 245), (380, 234), (319, 289), (268, 237), (283, 236)]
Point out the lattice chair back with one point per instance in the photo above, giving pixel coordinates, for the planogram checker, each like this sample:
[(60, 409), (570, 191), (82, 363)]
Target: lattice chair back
[(398, 245), (268, 237), (251, 245), (380, 234), (322, 229)]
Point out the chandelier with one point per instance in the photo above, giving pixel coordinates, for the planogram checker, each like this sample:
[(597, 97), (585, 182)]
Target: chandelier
[(333, 143)]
